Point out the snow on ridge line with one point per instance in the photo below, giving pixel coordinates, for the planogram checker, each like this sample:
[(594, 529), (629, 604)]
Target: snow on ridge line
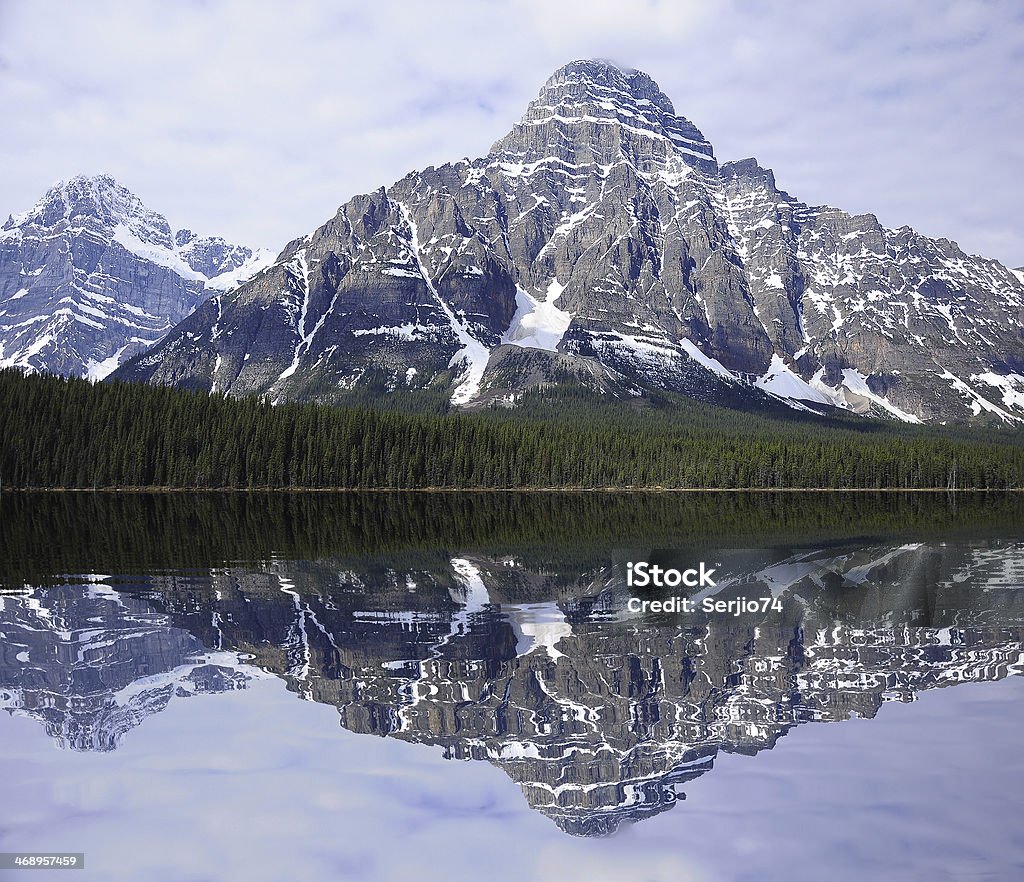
[(260, 259), (164, 257), (782, 381), (1010, 385), (785, 384), (706, 361), (97, 370), (978, 402)]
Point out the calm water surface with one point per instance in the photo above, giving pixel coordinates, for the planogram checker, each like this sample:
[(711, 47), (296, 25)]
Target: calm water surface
[(376, 687)]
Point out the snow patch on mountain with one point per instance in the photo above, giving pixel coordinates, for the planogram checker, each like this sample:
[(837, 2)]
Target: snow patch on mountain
[(165, 257), (99, 370), (976, 401), (299, 270), (782, 381), (1011, 386), (474, 355), (857, 383), (706, 361), (260, 259), (538, 323)]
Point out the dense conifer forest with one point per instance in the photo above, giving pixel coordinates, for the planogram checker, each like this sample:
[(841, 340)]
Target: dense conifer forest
[(60, 432)]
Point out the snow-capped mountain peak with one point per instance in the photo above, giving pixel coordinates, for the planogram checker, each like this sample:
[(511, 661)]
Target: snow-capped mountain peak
[(595, 112), (601, 241), (90, 276), (97, 199)]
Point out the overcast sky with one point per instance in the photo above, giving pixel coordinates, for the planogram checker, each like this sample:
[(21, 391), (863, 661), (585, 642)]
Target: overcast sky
[(256, 120)]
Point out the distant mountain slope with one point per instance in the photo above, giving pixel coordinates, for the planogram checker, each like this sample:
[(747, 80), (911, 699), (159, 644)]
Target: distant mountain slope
[(601, 242), (90, 277)]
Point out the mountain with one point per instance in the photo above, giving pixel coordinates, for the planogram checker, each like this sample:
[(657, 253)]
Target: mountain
[(90, 277), (600, 242)]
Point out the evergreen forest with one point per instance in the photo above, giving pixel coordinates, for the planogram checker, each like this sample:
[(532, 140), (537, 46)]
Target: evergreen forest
[(62, 432)]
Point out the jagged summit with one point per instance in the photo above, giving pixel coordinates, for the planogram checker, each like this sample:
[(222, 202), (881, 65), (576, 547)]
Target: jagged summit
[(608, 76), (99, 200), (100, 196), (755, 173), (748, 167), (594, 111)]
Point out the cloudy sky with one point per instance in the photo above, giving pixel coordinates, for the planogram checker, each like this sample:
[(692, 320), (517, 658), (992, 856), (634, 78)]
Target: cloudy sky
[(256, 120)]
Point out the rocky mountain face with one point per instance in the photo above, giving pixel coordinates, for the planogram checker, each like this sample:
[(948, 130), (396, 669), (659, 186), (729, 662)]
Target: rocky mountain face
[(90, 277), (601, 242), (599, 714)]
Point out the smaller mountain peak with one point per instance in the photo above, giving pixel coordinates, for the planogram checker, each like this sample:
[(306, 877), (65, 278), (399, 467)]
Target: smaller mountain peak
[(101, 201)]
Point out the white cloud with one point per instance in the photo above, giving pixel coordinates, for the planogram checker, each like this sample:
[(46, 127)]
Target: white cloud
[(257, 120)]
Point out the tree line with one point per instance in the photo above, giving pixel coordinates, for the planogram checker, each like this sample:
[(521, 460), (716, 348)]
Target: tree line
[(66, 432)]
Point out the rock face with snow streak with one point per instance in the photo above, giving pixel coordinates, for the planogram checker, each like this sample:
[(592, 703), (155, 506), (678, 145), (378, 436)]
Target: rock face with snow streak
[(90, 277), (602, 234)]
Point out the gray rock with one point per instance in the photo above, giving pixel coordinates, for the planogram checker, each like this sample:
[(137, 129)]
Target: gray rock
[(602, 234)]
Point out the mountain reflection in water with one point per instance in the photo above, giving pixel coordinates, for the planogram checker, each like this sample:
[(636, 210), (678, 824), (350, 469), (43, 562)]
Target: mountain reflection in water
[(524, 655)]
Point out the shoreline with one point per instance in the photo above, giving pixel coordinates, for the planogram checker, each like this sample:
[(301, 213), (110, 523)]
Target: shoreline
[(448, 490)]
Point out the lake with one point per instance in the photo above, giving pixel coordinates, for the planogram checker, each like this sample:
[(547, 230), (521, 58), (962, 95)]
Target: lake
[(459, 686)]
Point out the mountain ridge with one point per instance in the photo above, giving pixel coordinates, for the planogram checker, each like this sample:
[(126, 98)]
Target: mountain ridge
[(602, 234)]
